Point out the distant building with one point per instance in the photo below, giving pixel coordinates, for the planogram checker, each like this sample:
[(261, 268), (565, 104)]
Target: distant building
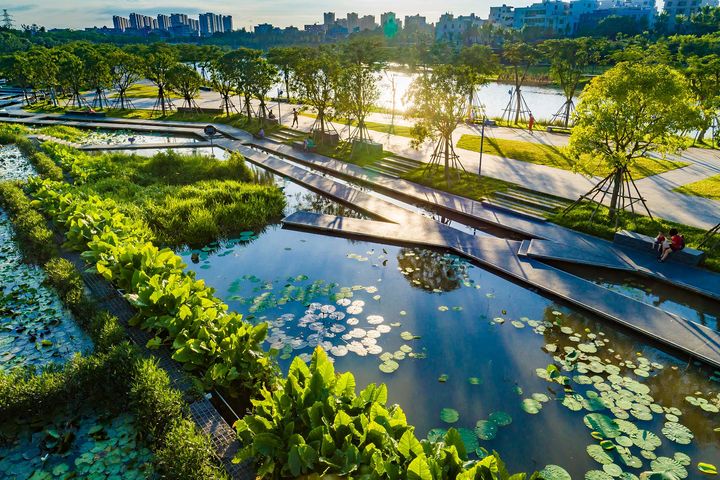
[(177, 19), (353, 22), (263, 29), (164, 22), (227, 23), (140, 22), (210, 23), (367, 22), (417, 23), (328, 18), (502, 16), (686, 7), (452, 29), (550, 15), (315, 29), (120, 23)]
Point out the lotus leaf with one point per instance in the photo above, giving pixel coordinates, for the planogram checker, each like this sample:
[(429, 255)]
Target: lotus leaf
[(449, 415), (668, 465), (554, 472), (485, 429)]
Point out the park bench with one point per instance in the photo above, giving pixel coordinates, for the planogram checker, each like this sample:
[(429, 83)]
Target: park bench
[(555, 129), (638, 241)]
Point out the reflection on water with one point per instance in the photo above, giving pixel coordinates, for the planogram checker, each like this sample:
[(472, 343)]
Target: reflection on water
[(485, 338), (117, 137), (688, 305)]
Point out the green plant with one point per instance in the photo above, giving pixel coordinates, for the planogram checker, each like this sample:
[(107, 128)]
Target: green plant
[(187, 454), (34, 237), (315, 423), (155, 404)]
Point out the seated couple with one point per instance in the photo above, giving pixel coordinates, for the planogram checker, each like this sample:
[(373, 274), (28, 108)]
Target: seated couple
[(666, 246)]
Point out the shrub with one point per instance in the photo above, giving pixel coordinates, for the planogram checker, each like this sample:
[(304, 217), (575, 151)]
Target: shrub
[(155, 404), (45, 166), (34, 237), (23, 392), (12, 132), (187, 454)]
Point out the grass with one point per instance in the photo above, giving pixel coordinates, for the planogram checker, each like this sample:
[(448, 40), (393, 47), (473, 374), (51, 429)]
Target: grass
[(708, 188), (185, 199), (344, 152), (603, 227), (401, 130), (552, 156), (64, 132), (140, 90), (461, 183)]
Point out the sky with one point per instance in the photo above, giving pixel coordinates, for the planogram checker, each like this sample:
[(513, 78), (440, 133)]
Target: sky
[(79, 14)]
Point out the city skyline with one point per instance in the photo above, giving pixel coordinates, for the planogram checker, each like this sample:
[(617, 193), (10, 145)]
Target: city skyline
[(80, 14)]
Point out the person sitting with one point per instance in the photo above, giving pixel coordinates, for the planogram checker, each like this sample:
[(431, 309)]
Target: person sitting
[(310, 144), (261, 133), (271, 115), (677, 243), (660, 241)]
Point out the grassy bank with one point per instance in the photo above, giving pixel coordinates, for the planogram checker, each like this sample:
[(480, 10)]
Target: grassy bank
[(554, 156), (708, 188), (184, 199)]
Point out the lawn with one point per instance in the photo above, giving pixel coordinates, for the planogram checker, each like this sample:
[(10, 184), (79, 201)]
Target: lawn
[(401, 130), (141, 90), (556, 157), (461, 183), (708, 188)]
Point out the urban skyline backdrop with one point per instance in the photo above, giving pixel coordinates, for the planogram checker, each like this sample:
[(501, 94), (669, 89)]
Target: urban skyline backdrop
[(79, 14)]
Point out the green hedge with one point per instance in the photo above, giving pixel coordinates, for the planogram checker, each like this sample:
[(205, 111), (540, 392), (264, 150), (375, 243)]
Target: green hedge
[(35, 239)]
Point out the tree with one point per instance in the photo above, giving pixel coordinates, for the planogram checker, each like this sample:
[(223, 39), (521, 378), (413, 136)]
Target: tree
[(316, 79), (480, 62), (185, 81), (223, 78), (157, 65), (438, 99), (243, 61), (97, 70), (568, 58), (263, 76), (703, 74), (520, 56), (357, 91), (285, 59), (627, 112), (124, 72), (72, 76)]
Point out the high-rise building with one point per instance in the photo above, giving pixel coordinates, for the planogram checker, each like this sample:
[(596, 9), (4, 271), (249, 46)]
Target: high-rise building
[(686, 7), (163, 22), (353, 22), (227, 23), (120, 23), (502, 16), (328, 18), (140, 22), (177, 19), (194, 25), (263, 29), (452, 29), (210, 23), (367, 22), (416, 23)]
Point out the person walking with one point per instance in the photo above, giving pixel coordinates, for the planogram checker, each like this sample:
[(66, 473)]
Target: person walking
[(295, 122), (531, 122)]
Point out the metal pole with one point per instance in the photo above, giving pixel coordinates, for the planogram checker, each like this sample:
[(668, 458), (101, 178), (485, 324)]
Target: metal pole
[(482, 142), (279, 114)]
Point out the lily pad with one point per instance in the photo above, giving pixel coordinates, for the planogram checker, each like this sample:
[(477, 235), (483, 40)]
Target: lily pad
[(598, 454), (668, 465), (449, 415), (677, 433), (554, 472), (485, 429), (501, 419), (531, 406), (603, 424)]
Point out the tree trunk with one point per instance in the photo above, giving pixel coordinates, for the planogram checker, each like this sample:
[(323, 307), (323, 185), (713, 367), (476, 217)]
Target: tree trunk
[(247, 107), (161, 94), (701, 135), (447, 161), (517, 110), (287, 87), (567, 111), (617, 182)]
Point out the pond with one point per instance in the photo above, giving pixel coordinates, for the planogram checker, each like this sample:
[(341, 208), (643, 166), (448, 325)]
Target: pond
[(86, 444), (14, 165), (461, 346), (35, 327), (116, 137), (543, 101)]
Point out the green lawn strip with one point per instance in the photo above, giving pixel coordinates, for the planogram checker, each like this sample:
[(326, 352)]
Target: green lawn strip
[(400, 130), (462, 183), (552, 156), (708, 188), (603, 227), (145, 91)]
